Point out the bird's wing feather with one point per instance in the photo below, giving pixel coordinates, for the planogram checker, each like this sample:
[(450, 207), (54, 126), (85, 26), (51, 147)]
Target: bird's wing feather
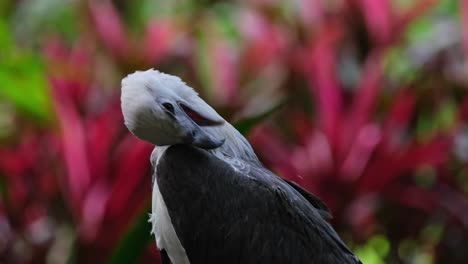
[(245, 167), (312, 213), (224, 216), (313, 200)]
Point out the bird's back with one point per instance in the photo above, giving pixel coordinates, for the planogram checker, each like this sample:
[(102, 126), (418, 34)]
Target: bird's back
[(225, 215)]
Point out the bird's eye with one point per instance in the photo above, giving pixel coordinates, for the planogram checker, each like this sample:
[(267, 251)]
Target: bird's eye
[(169, 107)]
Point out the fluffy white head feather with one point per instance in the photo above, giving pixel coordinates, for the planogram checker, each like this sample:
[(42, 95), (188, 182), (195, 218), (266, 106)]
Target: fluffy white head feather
[(162, 109)]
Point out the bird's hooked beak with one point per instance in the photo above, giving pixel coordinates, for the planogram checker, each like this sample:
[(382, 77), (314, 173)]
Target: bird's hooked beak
[(197, 136), (163, 110), (204, 141)]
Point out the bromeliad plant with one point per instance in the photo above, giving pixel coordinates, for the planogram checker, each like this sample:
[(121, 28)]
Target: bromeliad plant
[(370, 146), (70, 191)]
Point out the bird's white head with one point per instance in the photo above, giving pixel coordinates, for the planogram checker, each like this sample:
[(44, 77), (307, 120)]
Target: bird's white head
[(163, 110)]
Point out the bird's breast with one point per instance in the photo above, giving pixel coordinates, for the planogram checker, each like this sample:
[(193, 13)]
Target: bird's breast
[(162, 228)]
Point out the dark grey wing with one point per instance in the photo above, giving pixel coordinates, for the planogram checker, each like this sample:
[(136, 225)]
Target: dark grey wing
[(312, 213), (164, 257), (244, 168), (222, 215), (313, 200)]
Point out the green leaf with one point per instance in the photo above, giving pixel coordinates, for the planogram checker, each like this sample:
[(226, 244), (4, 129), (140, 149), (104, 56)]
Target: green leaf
[(32, 19), (5, 39), (202, 53), (24, 85), (5, 7), (22, 79), (398, 67), (448, 8), (374, 251), (72, 258), (445, 117), (245, 125), (225, 22), (134, 242), (218, 26)]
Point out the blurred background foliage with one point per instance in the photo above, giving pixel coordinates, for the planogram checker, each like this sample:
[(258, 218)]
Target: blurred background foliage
[(362, 102)]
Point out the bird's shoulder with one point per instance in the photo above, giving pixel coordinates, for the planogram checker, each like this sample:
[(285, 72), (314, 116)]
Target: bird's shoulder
[(256, 172)]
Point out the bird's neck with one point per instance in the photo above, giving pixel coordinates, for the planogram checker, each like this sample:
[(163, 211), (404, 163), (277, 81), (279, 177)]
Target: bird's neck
[(235, 146)]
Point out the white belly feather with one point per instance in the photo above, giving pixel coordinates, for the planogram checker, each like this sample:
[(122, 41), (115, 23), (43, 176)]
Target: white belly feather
[(166, 237)]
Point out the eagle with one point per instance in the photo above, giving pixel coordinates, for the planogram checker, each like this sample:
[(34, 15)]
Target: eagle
[(212, 199)]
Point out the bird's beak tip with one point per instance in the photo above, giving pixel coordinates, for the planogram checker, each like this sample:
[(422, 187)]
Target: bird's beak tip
[(209, 144)]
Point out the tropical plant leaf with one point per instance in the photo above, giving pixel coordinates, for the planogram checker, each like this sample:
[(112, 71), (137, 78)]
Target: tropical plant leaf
[(26, 87), (245, 125), (134, 242), (22, 79), (72, 258)]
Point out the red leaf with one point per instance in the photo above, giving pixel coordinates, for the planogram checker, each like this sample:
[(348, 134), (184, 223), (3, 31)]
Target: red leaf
[(397, 121), (455, 203), (360, 152), (463, 110), (224, 71), (311, 12), (109, 27), (301, 124), (400, 113), (102, 131), (412, 197), (158, 39), (265, 42), (74, 141), (18, 159), (92, 211), (388, 167), (72, 65), (318, 61), (364, 101), (378, 17), (464, 26), (361, 214), (274, 152), (434, 152), (131, 166)]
